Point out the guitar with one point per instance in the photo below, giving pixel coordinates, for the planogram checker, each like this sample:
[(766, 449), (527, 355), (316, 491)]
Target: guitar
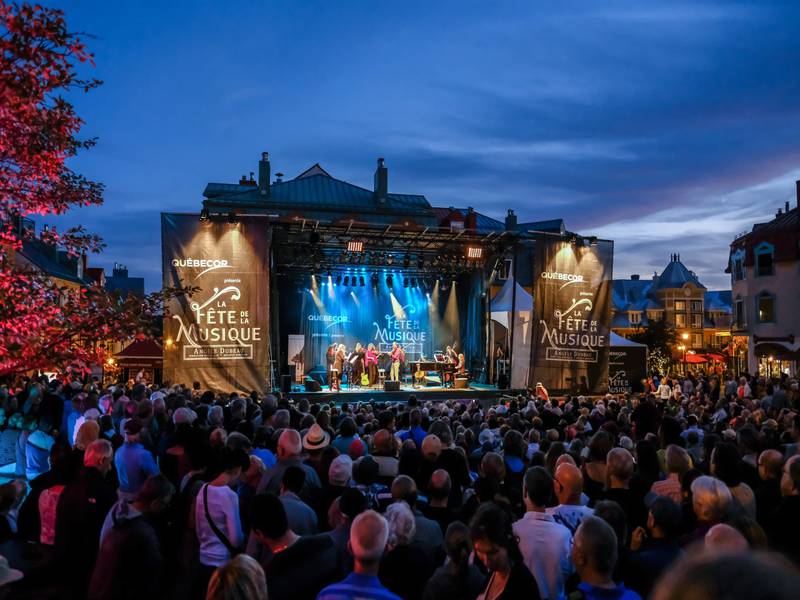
[(364, 379)]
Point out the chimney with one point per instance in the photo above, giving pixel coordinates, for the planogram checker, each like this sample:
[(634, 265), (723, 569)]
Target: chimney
[(278, 177), (381, 182), (471, 220), (779, 213), (797, 196), (263, 175), (511, 221), (634, 277), (786, 206)]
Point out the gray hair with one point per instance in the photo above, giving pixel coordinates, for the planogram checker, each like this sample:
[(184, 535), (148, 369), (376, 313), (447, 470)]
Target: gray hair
[(402, 525), (710, 498)]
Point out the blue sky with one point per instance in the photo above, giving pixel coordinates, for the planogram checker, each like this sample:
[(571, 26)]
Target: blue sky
[(666, 126)]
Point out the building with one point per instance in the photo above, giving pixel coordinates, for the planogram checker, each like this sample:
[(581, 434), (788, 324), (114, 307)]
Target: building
[(701, 318), (123, 284), (764, 265)]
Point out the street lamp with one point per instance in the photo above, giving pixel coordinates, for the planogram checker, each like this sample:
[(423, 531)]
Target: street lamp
[(682, 348)]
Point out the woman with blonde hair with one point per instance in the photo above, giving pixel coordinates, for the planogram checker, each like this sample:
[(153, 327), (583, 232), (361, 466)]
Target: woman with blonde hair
[(241, 578)]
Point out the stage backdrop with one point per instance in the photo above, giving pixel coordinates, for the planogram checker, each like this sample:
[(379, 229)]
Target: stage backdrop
[(421, 324), (220, 333), (572, 315)]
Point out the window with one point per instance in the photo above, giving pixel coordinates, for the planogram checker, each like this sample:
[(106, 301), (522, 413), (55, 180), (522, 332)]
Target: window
[(697, 306), (765, 308), (680, 320), (680, 305), (738, 312), (763, 255), (654, 315), (697, 320), (738, 272), (635, 317), (697, 340), (505, 269)]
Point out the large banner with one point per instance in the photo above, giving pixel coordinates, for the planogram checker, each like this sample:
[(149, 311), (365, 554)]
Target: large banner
[(572, 305), (220, 334), (627, 367)]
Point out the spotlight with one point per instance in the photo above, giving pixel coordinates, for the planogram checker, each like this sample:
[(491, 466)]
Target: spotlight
[(374, 280), (204, 216), (405, 282), (474, 252), (406, 260), (355, 246), (389, 259), (361, 280), (338, 280), (328, 274), (389, 281), (347, 281), (232, 217), (420, 262), (414, 282)]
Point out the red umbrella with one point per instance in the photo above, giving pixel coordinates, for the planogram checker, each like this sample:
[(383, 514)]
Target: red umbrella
[(696, 358)]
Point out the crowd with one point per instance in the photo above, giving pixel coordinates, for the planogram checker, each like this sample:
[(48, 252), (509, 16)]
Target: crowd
[(690, 490)]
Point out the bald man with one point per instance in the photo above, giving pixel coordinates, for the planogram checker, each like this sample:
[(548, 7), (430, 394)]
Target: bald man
[(439, 488), (768, 494), (568, 488), (724, 538), (290, 454), (619, 467), (368, 536)]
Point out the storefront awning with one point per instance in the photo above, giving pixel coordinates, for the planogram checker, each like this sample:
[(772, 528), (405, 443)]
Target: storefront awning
[(776, 350), (145, 353)]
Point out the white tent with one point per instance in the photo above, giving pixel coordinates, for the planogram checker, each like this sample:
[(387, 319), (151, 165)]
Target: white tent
[(501, 312)]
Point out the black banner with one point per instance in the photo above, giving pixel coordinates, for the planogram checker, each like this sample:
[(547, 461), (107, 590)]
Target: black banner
[(219, 336), (572, 307), (627, 367)]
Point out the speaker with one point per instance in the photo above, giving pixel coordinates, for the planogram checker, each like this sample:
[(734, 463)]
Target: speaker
[(460, 383), (391, 386), (286, 383), (312, 385)]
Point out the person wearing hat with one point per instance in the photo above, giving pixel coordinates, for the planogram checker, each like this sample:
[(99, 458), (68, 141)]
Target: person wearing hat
[(133, 461), (316, 439), (656, 547)]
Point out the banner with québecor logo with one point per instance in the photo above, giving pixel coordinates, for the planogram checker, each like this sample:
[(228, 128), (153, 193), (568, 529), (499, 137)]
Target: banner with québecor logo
[(572, 311), (219, 335)]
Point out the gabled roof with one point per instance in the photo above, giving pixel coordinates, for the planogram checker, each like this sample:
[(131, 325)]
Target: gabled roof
[(316, 190), (676, 275), (43, 256), (783, 232), (146, 348)]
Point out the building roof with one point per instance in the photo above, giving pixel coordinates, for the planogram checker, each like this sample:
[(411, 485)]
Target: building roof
[(551, 225), (631, 294), (484, 223), (719, 301), (125, 285), (316, 190), (782, 232), (53, 262), (676, 275)]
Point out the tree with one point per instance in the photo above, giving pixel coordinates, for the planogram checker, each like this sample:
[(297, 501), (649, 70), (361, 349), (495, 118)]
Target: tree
[(42, 326), (658, 335)]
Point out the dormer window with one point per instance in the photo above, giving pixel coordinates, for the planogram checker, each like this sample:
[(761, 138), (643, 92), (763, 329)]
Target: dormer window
[(764, 253), (635, 317), (738, 271)]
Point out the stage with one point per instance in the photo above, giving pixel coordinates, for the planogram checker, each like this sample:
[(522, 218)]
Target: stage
[(475, 391)]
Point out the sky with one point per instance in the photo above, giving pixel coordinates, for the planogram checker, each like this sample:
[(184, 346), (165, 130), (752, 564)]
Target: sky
[(665, 126)]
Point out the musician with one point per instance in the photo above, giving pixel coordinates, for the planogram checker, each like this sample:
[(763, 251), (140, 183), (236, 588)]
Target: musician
[(398, 356), (451, 356), (371, 360), (461, 366), (338, 366), (357, 362), (330, 356)]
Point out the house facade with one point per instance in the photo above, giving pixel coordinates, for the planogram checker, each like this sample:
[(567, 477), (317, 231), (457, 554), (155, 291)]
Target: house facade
[(764, 265), (701, 318)]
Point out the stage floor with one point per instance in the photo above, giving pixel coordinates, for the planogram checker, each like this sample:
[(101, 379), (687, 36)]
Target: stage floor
[(365, 394)]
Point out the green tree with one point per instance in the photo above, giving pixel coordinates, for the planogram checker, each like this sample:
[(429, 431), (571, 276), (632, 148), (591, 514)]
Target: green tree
[(658, 335)]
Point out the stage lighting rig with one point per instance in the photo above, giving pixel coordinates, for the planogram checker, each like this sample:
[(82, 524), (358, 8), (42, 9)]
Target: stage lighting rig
[(374, 280), (204, 215), (389, 280), (474, 252), (407, 260), (346, 281), (338, 280), (389, 259), (361, 281)]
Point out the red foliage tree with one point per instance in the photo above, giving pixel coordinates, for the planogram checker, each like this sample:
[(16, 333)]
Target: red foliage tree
[(42, 326)]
